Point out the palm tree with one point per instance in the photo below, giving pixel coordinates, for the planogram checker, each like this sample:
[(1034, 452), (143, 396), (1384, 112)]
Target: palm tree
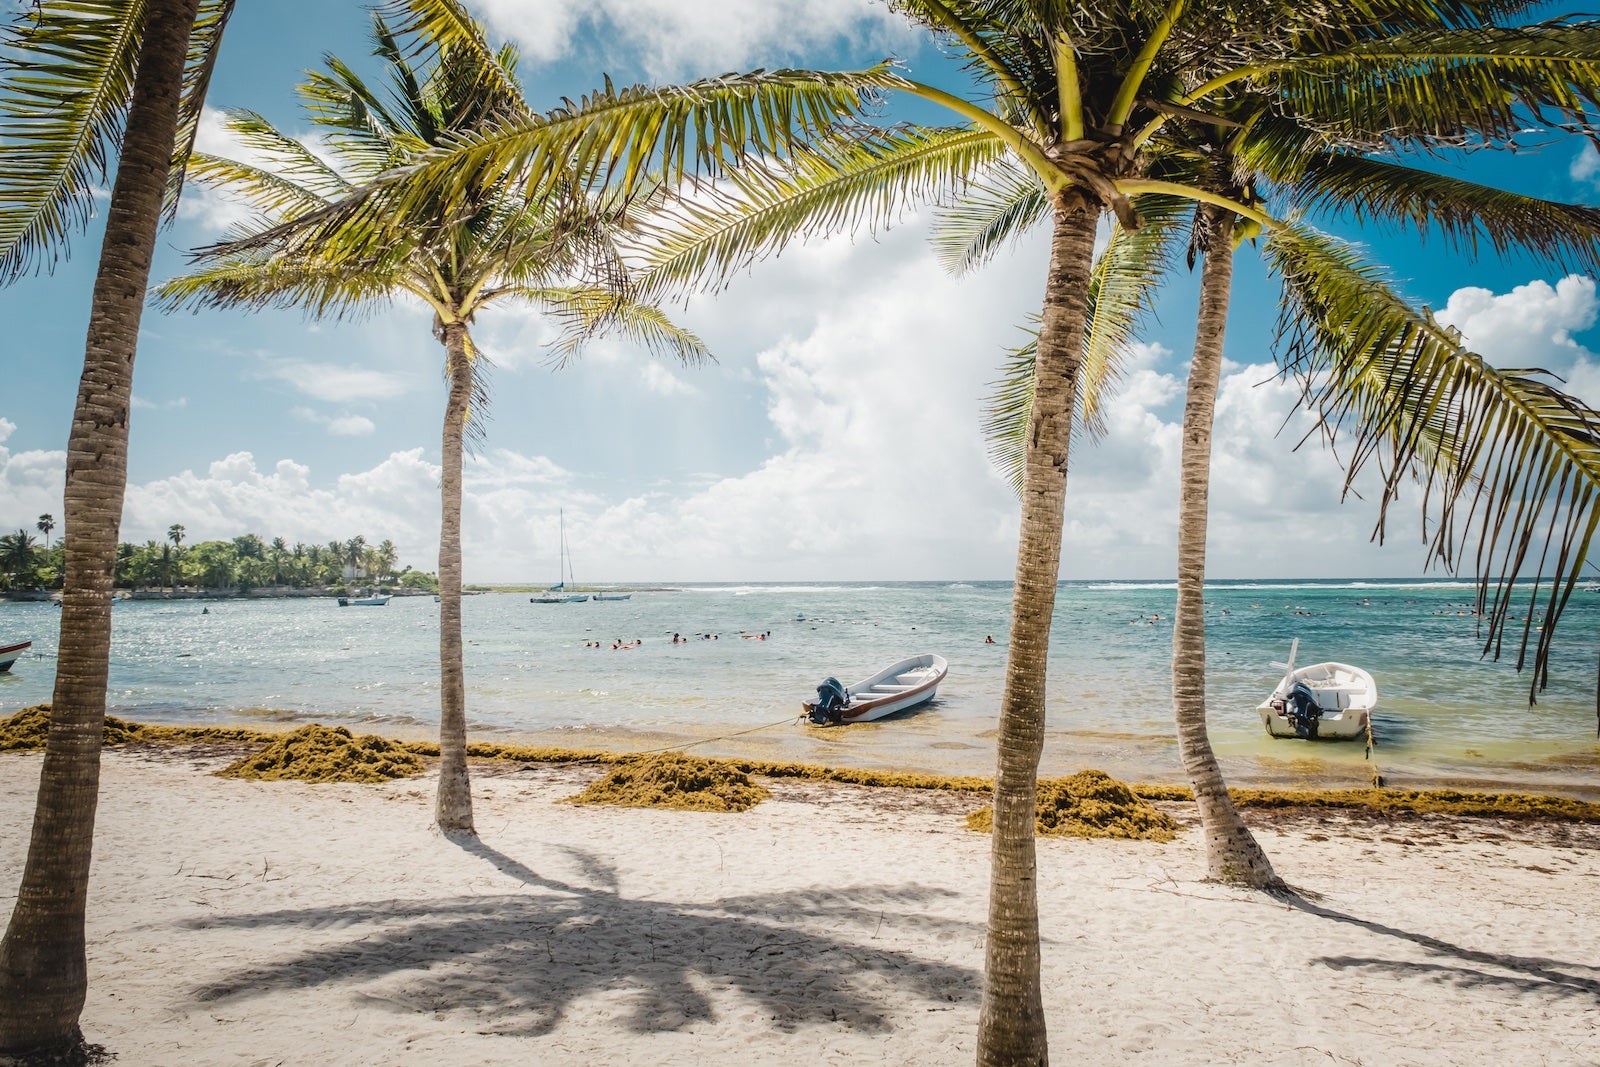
[(458, 258), (1333, 161), (384, 559), (1076, 96), (16, 557), (94, 80), (278, 553), (46, 523), (175, 534)]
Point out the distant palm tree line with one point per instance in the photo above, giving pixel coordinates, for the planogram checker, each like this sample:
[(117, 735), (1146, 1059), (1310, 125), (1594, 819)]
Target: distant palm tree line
[(244, 562)]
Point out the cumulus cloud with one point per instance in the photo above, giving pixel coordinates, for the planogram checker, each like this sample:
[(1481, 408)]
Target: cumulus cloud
[(1532, 326), (1585, 166), (336, 381), (31, 482), (339, 425), (676, 39)]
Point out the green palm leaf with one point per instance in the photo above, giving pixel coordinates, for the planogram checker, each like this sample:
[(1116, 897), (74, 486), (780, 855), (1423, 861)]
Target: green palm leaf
[(610, 137), (1509, 464), (64, 90), (1122, 290), (861, 179)]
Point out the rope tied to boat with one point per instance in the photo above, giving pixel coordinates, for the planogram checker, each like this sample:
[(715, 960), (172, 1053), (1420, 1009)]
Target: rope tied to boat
[(786, 721), (1372, 743)]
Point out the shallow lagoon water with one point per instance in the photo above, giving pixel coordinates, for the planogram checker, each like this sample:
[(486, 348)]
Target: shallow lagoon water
[(1446, 715)]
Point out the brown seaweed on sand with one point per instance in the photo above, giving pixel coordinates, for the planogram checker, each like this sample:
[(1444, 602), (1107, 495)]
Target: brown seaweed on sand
[(1090, 804), (671, 780), (327, 754)]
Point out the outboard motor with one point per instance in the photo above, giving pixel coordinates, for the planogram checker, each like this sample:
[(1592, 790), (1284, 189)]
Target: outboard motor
[(1304, 711), (831, 702)]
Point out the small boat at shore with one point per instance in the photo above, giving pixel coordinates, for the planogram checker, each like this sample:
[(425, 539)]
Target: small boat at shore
[(612, 596), (363, 601), (908, 684), (9, 654), (1323, 701)]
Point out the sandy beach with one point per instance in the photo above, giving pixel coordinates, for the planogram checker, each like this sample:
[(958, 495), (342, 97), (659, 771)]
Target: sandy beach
[(261, 923)]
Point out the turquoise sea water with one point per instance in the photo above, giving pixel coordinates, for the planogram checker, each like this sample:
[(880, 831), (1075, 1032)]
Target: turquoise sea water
[(1446, 715)]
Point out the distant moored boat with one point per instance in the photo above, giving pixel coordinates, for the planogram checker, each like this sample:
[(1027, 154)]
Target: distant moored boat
[(363, 601), (9, 654)]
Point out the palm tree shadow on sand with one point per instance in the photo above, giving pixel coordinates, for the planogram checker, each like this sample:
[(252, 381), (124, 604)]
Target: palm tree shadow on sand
[(516, 962), (1458, 965)]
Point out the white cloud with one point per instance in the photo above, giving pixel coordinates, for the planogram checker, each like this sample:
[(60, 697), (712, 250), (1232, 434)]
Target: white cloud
[(339, 425), (140, 402), (333, 381), (31, 483), (1532, 326), (1585, 166), (677, 39), (351, 426), (663, 382)]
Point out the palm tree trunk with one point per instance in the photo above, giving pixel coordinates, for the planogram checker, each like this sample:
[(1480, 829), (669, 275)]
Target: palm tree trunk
[(43, 966), (453, 810), (1232, 854), (1011, 1026)]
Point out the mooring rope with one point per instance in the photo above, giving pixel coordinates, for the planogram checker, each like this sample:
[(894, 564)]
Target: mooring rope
[(1372, 743), (723, 737)]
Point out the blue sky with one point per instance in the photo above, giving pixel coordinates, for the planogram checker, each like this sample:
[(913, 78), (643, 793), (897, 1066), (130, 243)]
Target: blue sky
[(836, 437)]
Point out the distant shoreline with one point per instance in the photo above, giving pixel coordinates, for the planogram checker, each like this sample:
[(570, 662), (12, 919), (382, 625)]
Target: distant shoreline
[(46, 596)]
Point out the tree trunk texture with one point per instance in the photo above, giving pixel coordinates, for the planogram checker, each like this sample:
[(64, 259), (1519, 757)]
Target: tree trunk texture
[(1011, 1026), (1232, 854), (43, 965), (453, 811)]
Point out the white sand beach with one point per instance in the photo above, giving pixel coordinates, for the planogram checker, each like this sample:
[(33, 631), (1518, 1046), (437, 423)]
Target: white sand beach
[(260, 923)]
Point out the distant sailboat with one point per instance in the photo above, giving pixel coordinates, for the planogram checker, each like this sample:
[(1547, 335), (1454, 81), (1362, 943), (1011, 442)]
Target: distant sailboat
[(557, 594)]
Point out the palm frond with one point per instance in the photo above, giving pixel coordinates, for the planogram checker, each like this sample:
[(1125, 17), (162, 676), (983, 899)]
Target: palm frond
[(611, 137), (1122, 290), (65, 87), (1509, 464), (257, 279), (1000, 205), (1465, 211), (440, 27), (586, 313), (860, 179), (205, 42), (1474, 84)]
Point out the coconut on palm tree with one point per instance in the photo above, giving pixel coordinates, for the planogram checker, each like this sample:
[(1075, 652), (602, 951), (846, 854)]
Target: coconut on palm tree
[(88, 84), (458, 258)]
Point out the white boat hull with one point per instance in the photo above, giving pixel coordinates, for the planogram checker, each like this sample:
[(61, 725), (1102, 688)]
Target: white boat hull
[(559, 598), (1345, 697), (363, 601), (9, 654), (908, 684)]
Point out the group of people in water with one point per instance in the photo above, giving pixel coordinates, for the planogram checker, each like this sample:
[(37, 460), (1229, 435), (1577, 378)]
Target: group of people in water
[(619, 645)]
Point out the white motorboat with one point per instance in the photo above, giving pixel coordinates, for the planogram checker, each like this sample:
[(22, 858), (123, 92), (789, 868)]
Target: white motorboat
[(612, 596), (363, 601), (1323, 701), (908, 684), (9, 654)]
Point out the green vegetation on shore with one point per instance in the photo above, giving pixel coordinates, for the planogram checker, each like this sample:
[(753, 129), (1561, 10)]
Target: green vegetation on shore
[(28, 728), (241, 564)]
